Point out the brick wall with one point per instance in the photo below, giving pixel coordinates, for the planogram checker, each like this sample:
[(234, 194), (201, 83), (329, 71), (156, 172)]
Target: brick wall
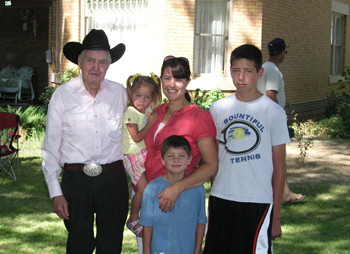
[(307, 110), (20, 48), (172, 27), (246, 22), (68, 30), (306, 27)]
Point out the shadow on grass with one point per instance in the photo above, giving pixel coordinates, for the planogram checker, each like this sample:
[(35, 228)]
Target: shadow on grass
[(27, 222), (29, 194), (320, 224)]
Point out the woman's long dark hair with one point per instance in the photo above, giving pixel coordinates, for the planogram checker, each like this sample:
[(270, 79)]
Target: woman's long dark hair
[(180, 68)]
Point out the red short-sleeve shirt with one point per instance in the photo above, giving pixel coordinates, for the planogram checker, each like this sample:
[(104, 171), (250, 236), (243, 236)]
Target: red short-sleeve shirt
[(192, 122)]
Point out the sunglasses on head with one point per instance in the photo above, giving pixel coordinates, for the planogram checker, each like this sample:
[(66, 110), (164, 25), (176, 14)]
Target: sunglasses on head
[(175, 58)]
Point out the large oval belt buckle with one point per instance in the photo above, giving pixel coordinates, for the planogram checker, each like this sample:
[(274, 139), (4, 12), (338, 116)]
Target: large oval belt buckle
[(92, 169)]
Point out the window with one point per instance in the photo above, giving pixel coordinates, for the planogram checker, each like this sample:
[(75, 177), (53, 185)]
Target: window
[(211, 37), (123, 21), (337, 44)]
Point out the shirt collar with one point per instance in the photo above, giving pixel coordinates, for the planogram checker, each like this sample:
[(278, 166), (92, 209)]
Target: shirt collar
[(81, 87)]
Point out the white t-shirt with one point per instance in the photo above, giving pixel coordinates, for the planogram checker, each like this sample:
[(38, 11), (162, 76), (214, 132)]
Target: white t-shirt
[(246, 132), (272, 79)]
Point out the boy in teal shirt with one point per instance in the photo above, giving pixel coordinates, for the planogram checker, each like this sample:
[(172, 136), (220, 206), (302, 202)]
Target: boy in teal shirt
[(180, 231)]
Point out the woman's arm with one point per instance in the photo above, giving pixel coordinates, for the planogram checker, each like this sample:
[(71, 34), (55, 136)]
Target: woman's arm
[(209, 154), (137, 135)]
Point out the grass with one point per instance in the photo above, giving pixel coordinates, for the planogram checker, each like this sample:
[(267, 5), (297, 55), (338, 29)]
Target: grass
[(319, 225)]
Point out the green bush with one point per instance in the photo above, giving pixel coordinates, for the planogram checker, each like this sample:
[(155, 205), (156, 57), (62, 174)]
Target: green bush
[(305, 133), (204, 98), (32, 121), (337, 114), (334, 126), (49, 90), (68, 75), (46, 97)]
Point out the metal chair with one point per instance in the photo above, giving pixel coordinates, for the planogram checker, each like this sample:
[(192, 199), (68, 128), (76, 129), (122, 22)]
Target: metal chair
[(9, 148), (17, 82)]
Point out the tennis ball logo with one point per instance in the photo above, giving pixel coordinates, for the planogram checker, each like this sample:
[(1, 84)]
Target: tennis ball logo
[(238, 133)]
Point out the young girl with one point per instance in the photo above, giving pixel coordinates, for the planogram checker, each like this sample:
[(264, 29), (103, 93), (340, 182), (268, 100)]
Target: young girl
[(144, 94)]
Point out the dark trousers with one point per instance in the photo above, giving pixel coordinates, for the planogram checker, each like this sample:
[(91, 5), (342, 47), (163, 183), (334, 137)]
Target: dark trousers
[(238, 228), (106, 196)]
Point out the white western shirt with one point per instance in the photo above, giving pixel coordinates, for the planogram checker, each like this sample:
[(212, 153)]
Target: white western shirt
[(82, 129)]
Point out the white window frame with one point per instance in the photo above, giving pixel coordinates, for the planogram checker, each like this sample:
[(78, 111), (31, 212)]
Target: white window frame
[(337, 44), (224, 72), (121, 16), (339, 12)]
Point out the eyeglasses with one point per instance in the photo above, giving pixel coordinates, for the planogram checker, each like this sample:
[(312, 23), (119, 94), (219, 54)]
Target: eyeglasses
[(175, 58)]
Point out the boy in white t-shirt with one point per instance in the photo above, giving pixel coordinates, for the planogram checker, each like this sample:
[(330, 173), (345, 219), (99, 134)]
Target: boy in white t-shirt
[(246, 197)]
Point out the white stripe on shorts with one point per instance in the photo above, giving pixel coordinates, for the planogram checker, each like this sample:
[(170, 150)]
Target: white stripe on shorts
[(263, 240)]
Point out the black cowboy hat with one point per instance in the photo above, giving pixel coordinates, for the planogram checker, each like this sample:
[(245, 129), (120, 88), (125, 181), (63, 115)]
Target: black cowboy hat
[(94, 40)]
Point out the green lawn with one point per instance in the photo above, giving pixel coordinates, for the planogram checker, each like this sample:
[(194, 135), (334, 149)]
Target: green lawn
[(321, 224)]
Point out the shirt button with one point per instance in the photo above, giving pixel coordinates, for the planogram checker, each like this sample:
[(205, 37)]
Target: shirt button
[(95, 115)]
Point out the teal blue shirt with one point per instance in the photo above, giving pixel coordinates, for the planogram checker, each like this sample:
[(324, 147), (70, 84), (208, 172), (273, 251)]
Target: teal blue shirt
[(173, 232)]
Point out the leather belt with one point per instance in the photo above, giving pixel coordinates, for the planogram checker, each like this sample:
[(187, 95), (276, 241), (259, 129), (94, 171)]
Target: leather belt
[(94, 169)]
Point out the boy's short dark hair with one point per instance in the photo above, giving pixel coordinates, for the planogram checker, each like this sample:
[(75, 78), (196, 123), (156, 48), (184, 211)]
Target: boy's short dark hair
[(249, 52), (177, 142)]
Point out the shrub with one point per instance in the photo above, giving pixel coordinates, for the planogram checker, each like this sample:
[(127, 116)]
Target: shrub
[(32, 121), (338, 109), (46, 97), (49, 90), (204, 98), (305, 132), (68, 75), (333, 127)]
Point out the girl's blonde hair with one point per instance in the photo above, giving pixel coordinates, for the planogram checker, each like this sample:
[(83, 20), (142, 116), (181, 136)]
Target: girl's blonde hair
[(139, 81)]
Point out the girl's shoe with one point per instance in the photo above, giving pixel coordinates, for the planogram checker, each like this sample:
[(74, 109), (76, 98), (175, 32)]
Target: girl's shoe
[(130, 225)]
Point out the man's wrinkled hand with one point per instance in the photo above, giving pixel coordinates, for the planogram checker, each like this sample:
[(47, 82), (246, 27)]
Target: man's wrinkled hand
[(60, 207)]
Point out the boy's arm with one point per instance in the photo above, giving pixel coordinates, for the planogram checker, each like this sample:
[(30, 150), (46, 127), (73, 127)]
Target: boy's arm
[(146, 240), (199, 238), (278, 158), (217, 149)]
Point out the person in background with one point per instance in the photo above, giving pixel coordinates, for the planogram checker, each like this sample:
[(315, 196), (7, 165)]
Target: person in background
[(181, 230), (144, 94), (246, 197), (84, 137), (272, 84)]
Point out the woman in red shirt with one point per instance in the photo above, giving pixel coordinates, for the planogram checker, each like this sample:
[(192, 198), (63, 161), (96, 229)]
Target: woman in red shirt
[(180, 117)]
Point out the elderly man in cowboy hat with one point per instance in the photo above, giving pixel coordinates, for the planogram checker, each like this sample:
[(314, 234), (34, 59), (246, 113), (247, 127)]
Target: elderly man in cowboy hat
[(83, 136)]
